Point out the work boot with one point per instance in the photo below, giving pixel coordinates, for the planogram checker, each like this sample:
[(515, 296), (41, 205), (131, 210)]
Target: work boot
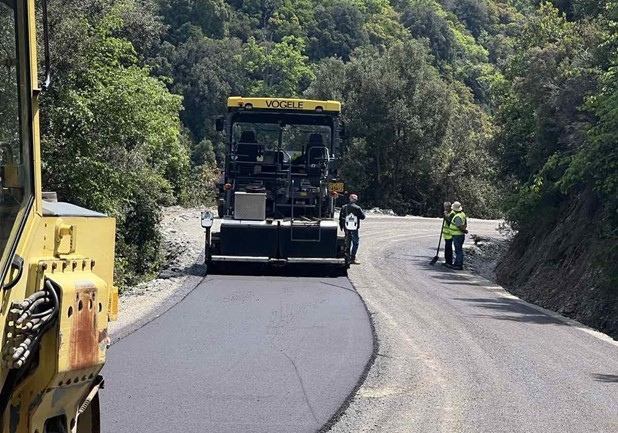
[(448, 265), (354, 261), (457, 268)]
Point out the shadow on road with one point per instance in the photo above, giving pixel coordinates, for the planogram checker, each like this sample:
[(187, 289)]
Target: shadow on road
[(196, 269), (295, 270), (518, 311), (450, 277), (607, 378)]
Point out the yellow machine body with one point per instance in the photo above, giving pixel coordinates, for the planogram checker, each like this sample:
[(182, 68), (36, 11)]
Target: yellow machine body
[(53, 245), (284, 104)]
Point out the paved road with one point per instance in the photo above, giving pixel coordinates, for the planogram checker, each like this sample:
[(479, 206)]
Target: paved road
[(241, 354), (457, 354)]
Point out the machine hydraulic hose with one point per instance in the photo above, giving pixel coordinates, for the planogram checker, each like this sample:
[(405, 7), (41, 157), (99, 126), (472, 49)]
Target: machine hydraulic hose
[(28, 321)]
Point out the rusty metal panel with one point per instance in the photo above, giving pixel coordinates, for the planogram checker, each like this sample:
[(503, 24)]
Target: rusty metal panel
[(82, 321), (84, 344), (113, 304)]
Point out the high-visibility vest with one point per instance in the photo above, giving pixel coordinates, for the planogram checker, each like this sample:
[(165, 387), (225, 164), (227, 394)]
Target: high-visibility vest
[(453, 228), (446, 231)]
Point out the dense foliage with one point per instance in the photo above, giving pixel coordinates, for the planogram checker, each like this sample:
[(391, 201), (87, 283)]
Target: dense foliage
[(509, 106), (110, 129), (557, 126), (414, 137)]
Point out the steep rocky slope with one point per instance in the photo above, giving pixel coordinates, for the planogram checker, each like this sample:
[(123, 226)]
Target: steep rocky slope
[(564, 267)]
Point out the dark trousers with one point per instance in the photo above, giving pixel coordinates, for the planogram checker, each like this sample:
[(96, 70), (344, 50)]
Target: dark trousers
[(459, 254), (352, 240), (448, 251)]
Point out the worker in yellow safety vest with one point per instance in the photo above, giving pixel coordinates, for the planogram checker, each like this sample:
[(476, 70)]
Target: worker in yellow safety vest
[(446, 234), (458, 228)]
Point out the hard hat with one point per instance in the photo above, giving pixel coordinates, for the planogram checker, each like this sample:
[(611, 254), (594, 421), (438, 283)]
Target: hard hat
[(447, 204), (353, 197), (456, 206)]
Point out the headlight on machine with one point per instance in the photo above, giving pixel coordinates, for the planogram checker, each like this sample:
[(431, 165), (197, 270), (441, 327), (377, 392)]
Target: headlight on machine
[(207, 219)]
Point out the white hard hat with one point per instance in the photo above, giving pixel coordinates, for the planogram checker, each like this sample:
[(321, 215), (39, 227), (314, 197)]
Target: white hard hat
[(456, 206)]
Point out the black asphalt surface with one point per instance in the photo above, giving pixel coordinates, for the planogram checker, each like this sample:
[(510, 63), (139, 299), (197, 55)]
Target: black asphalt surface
[(241, 354)]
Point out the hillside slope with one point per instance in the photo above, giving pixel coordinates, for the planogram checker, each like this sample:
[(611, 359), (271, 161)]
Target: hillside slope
[(563, 267)]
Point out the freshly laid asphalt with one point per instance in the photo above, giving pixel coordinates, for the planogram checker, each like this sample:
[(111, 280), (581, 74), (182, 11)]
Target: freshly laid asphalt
[(241, 354)]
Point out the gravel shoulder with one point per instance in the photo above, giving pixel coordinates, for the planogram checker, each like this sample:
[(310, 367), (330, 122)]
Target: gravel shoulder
[(483, 255)]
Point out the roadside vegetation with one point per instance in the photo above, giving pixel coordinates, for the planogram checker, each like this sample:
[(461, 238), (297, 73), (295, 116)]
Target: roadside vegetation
[(509, 106)]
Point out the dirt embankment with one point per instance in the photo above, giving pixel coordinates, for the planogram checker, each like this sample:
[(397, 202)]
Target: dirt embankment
[(559, 265)]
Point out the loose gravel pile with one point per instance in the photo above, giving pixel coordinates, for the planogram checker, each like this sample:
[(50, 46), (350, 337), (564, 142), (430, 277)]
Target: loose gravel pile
[(379, 211), (183, 241), (482, 257)]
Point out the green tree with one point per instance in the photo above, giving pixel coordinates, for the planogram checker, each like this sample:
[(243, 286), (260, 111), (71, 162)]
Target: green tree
[(474, 14), (205, 72), (111, 138), (278, 69), (210, 16), (412, 138), (339, 30), (596, 164)]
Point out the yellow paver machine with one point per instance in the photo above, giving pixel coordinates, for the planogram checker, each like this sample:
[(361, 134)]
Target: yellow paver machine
[(56, 262), (280, 184)]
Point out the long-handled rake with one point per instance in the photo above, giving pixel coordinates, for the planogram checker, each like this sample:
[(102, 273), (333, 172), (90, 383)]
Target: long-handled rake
[(435, 259)]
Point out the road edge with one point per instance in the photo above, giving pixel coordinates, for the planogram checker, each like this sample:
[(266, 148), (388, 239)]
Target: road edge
[(186, 287), (332, 421)]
